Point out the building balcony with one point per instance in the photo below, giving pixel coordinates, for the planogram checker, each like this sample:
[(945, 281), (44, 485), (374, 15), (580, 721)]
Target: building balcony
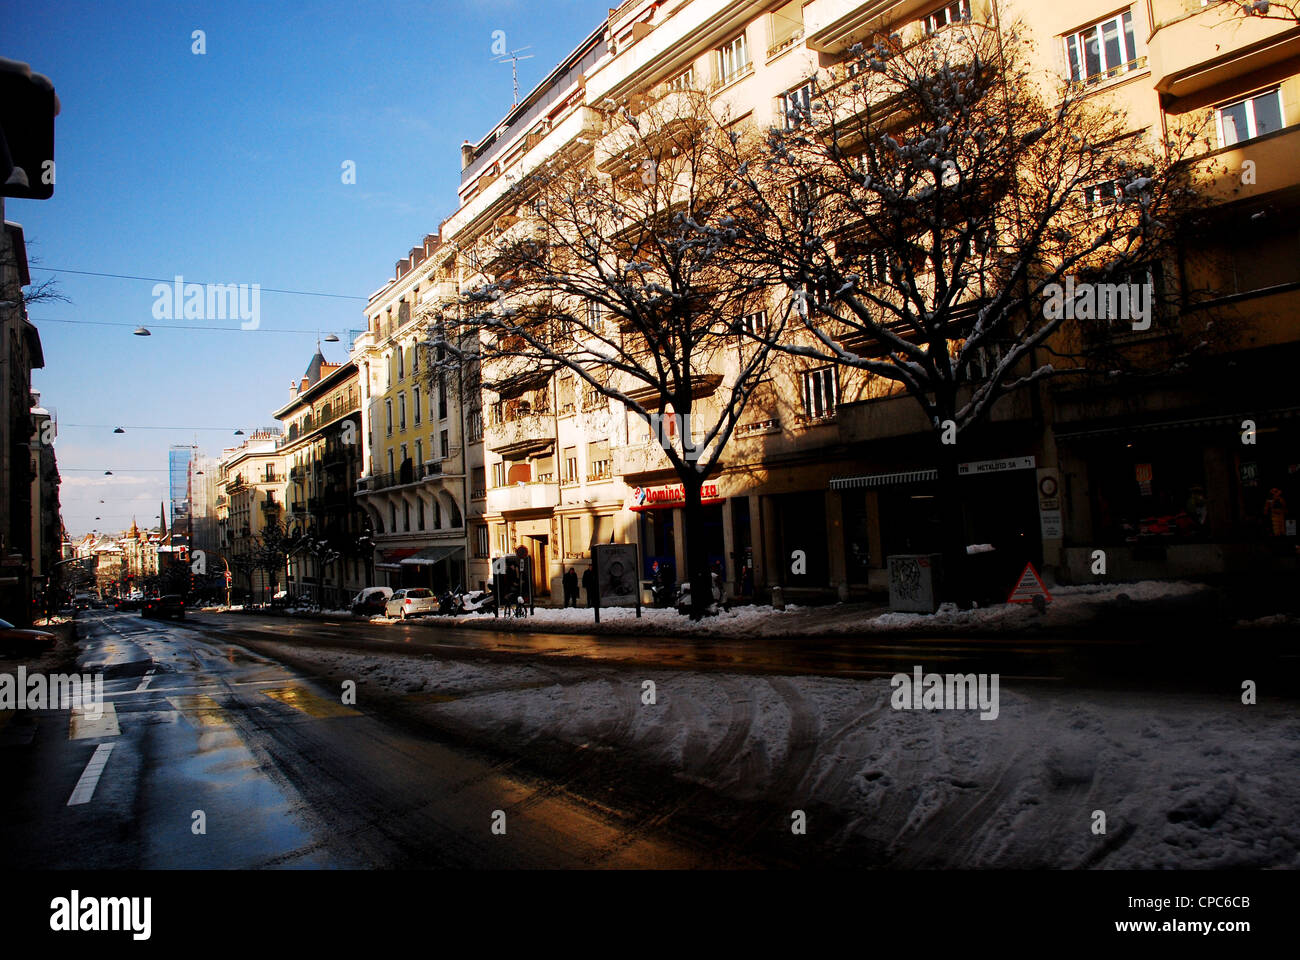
[(580, 127), (670, 47), (656, 118), (523, 496), (525, 433), (1273, 156), (833, 26), (1194, 47)]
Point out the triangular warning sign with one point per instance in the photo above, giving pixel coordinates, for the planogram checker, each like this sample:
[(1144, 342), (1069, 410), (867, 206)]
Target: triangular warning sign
[(1029, 586)]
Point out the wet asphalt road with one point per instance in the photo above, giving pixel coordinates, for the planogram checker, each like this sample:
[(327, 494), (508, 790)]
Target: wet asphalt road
[(280, 773)]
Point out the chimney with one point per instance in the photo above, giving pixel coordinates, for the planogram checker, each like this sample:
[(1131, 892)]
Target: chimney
[(293, 390), (466, 154)]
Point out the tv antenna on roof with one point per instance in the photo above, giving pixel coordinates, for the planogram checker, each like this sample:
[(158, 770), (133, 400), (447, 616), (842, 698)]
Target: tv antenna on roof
[(513, 57)]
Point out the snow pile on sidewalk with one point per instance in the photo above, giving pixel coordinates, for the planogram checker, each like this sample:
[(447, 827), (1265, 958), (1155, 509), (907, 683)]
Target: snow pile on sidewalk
[(1069, 605), (1183, 781)]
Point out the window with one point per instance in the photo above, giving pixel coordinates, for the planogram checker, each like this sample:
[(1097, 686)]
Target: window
[(415, 359), (1099, 194), (874, 265), (391, 469), (1102, 50), (388, 417), (565, 393), (603, 529), (404, 457), (1249, 118), (948, 14), (421, 514), (474, 422), (599, 464), (401, 363), (593, 316), (481, 542), (499, 474), (443, 444), (415, 402), (401, 411), (570, 464), (419, 453), (820, 393), (796, 106), (442, 397), (819, 293), (683, 81), (392, 517), (733, 59), (754, 323), (478, 483), (787, 25), (406, 516), (574, 541)]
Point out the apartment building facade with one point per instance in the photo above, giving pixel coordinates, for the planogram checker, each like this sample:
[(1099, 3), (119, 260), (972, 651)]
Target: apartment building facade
[(250, 497), (1166, 474), (422, 485), (323, 451)]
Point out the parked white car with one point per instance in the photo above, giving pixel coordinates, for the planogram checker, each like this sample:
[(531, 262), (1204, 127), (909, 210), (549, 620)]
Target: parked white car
[(411, 602)]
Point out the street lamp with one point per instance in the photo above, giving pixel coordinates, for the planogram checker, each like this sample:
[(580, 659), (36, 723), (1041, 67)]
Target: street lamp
[(142, 332), (119, 430)]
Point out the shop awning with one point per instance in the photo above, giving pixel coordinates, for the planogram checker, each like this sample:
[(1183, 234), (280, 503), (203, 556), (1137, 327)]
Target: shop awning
[(431, 556), (883, 479), (391, 559)]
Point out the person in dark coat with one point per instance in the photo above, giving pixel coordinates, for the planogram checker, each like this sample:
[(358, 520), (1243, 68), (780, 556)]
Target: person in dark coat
[(589, 584), (571, 588)]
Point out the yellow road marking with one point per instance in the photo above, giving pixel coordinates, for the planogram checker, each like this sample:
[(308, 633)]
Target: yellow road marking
[(304, 701), (200, 710)]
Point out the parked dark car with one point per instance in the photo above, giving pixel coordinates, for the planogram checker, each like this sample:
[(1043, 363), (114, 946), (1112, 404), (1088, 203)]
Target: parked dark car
[(18, 642), (172, 605)]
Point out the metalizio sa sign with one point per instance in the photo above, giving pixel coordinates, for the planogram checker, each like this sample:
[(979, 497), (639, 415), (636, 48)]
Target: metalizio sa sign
[(668, 497)]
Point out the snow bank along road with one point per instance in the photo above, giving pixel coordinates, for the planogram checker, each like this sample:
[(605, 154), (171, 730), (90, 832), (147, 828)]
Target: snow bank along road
[(1183, 780)]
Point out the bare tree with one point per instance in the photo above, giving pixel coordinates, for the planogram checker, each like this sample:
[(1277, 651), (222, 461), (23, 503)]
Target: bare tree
[(1285, 10), (618, 267), (931, 206)]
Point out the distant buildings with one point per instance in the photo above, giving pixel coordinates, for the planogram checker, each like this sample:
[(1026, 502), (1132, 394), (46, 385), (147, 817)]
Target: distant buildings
[(20, 465)]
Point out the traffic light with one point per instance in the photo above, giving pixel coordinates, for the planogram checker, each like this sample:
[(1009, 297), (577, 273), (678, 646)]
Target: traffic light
[(28, 106)]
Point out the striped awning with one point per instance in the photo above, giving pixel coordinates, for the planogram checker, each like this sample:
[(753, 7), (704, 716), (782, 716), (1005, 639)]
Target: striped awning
[(883, 479)]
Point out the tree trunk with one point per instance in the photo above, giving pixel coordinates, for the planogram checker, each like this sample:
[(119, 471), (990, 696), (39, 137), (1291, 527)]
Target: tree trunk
[(955, 584), (697, 548)]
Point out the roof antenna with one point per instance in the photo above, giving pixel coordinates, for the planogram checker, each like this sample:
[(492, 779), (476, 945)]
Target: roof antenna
[(514, 57)]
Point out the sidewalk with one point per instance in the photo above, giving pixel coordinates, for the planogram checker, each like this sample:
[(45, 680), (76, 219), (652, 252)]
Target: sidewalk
[(1159, 605)]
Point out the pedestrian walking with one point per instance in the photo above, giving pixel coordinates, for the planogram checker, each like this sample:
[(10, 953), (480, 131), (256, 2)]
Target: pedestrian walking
[(589, 585), (571, 588)]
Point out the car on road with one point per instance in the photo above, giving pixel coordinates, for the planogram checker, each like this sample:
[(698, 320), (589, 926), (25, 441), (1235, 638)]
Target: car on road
[(371, 601), (15, 641), (126, 604), (81, 601), (171, 605), (411, 602)]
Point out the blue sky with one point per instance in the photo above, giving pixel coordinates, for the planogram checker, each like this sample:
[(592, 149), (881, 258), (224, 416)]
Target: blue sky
[(227, 168)]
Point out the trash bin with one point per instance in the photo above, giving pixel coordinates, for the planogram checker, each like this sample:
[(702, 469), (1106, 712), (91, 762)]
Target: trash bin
[(914, 580), (778, 598)]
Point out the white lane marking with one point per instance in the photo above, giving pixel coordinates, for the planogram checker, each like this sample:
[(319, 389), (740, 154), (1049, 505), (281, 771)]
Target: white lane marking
[(145, 681), (85, 788), (86, 727)]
